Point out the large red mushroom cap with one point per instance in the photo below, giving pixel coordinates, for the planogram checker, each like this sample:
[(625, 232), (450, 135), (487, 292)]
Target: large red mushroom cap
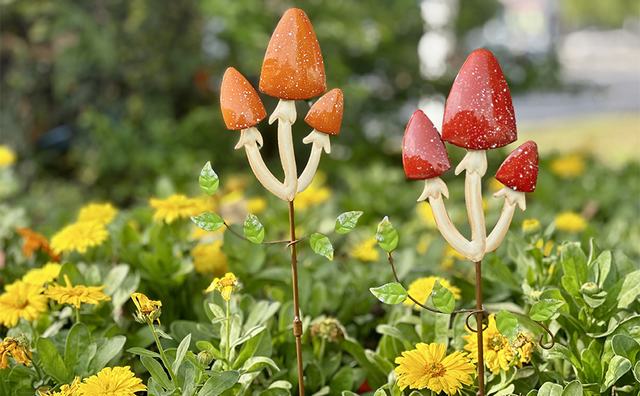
[(423, 153), (293, 67), (519, 171), (326, 113), (240, 104), (479, 113)]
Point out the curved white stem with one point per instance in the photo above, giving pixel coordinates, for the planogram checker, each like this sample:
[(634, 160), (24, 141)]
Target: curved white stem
[(434, 189), (285, 113), (511, 200), (320, 141), (475, 165), (251, 140)]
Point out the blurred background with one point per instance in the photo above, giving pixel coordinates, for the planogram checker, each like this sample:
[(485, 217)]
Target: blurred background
[(118, 99)]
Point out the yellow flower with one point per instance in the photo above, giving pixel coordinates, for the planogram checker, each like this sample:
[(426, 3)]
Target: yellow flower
[(79, 237), (34, 241), (314, 195), (524, 348), (21, 300), (17, 348), (366, 250), (224, 285), (449, 257), (570, 222), (568, 166), (148, 310), (423, 244), (76, 295), (425, 214), (495, 185), (429, 367), (498, 353), (421, 289), (7, 156), (546, 247), (176, 206), (530, 225), (112, 381), (65, 390), (208, 258), (40, 276), (256, 205), (102, 213)]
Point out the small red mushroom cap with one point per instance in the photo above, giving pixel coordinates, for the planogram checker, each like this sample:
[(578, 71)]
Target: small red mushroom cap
[(479, 113), (423, 153), (240, 104), (519, 171), (326, 113), (293, 67)]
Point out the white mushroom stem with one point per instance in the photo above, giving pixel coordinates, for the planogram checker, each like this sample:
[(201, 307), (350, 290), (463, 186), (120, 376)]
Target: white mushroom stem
[(285, 113), (320, 141), (511, 200), (475, 165), (251, 140), (434, 189)]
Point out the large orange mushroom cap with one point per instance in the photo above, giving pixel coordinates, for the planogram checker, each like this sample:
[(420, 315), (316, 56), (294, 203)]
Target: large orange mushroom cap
[(326, 113), (293, 67), (240, 104)]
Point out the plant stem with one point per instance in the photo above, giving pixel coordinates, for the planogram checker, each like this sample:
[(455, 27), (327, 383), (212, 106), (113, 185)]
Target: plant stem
[(297, 323), (479, 319), (77, 312), (163, 356), (227, 347)]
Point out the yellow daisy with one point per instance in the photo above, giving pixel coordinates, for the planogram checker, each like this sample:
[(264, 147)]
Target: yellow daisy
[(449, 257), (21, 300), (174, 207), (530, 225), (421, 289), (111, 381), (16, 348), (76, 295), (79, 237), (148, 310), (498, 353), (102, 213), (314, 195), (256, 205), (225, 285), (33, 242), (366, 250), (65, 390), (41, 276), (428, 366), (423, 243), (7, 156), (524, 348), (568, 166), (425, 214), (208, 258), (570, 222)]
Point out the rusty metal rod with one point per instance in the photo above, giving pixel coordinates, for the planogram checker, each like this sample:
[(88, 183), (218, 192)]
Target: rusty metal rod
[(297, 322)]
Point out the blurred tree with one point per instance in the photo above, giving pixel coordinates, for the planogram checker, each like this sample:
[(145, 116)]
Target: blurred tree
[(605, 14)]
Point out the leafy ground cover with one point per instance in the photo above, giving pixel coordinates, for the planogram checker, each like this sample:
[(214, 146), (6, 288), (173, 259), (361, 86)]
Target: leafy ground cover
[(146, 298)]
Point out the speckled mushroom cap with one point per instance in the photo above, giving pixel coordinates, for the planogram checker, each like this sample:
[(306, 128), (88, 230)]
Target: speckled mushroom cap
[(240, 104), (326, 113), (519, 171), (479, 113), (423, 153), (293, 67)]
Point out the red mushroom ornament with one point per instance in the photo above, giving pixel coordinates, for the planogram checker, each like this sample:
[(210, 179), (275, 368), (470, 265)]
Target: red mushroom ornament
[(423, 153), (519, 171)]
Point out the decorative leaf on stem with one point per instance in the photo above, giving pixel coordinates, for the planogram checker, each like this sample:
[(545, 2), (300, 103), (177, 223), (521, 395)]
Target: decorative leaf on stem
[(208, 221), (442, 298), (253, 229), (347, 221), (390, 293), (387, 235), (321, 245), (208, 179)]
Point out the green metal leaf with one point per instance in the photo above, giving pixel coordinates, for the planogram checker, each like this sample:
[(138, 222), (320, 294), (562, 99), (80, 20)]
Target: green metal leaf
[(208, 179), (347, 221), (321, 245), (442, 298), (387, 235), (253, 229), (390, 293), (208, 221)]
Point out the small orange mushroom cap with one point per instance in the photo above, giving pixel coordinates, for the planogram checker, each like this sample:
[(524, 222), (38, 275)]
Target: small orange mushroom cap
[(240, 104), (293, 68), (326, 113)]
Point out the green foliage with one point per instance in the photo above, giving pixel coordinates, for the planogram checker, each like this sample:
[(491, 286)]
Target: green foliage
[(208, 179), (321, 245), (390, 293), (387, 235), (208, 221), (347, 221), (253, 229)]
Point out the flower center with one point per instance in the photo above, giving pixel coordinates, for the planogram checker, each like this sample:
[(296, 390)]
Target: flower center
[(496, 342), (435, 370)]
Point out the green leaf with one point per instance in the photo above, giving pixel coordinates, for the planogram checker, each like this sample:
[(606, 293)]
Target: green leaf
[(390, 293), (208, 221), (387, 235), (156, 371), (442, 298), (347, 221), (574, 388), (550, 389), (321, 245), (52, 362), (618, 366), (630, 289), (257, 363), (253, 229), (208, 179), (545, 309), (78, 340), (107, 350), (181, 352), (143, 352), (601, 266), (219, 382), (625, 346), (507, 324), (636, 371)]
